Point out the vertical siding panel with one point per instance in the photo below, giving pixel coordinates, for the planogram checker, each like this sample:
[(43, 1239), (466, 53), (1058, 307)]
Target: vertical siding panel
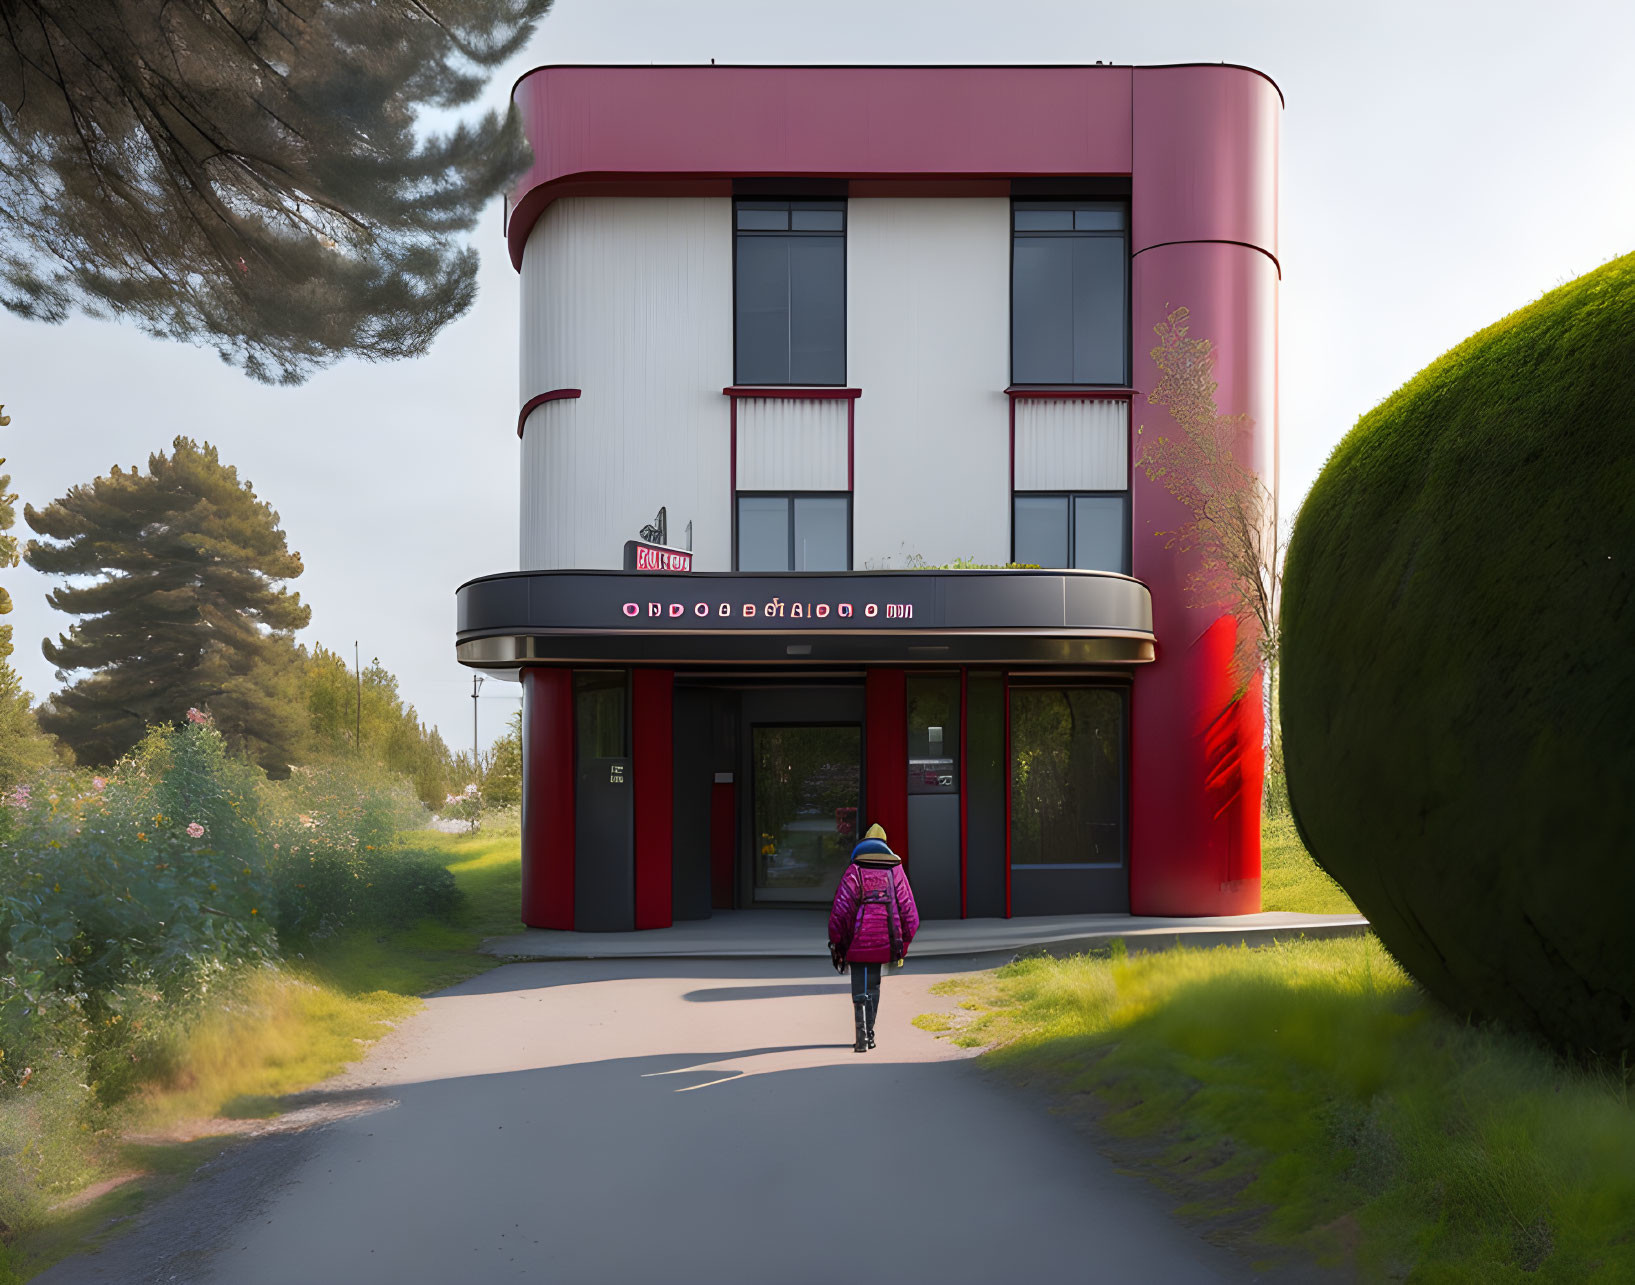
[(791, 444), (1081, 445), (630, 300), (928, 342)]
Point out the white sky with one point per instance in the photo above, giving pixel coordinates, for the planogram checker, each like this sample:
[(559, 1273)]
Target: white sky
[(1443, 163)]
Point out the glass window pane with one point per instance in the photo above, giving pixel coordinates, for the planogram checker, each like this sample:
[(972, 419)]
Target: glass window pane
[(817, 220), (817, 310), (1067, 776), (1100, 533), (933, 734), (759, 218), (1099, 218), (599, 714), (807, 783), (1042, 310), (1099, 265), (762, 322), (821, 529), (1041, 530), (763, 533), (1057, 219)]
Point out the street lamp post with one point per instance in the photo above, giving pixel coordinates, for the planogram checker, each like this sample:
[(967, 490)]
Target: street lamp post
[(476, 686)]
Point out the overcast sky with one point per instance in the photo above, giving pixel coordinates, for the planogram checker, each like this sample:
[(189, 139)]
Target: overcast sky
[(1443, 163)]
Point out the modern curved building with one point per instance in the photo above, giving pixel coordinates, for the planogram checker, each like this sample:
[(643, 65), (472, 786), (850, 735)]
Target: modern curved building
[(802, 347)]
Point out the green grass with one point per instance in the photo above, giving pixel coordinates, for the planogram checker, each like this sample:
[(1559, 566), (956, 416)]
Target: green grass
[(272, 1032), (1290, 879), (1308, 1102)]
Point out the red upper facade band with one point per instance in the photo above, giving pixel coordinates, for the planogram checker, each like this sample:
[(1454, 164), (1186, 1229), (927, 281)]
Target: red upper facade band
[(1198, 142)]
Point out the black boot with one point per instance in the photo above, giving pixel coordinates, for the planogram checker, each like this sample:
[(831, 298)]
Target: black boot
[(859, 1010), (873, 1006)]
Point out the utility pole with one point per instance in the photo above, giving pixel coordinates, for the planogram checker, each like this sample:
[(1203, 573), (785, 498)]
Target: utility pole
[(476, 686), (357, 708)]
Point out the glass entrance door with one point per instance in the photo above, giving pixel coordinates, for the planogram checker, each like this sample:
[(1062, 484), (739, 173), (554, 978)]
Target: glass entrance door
[(807, 786)]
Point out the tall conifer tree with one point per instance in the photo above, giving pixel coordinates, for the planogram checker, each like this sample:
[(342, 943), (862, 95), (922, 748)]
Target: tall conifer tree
[(249, 174), (187, 608), (22, 748)]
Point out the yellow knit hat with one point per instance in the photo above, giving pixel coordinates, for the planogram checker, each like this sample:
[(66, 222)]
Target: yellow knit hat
[(876, 831)]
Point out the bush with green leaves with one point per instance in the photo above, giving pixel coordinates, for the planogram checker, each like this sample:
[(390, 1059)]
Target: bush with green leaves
[(116, 893), (1458, 689), (337, 858)]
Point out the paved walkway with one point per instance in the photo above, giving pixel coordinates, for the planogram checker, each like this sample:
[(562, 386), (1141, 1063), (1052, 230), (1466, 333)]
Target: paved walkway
[(802, 934), (668, 1121)]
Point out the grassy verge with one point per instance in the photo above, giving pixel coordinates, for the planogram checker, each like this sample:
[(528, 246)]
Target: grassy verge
[(269, 1032), (1305, 1101), (1290, 879)]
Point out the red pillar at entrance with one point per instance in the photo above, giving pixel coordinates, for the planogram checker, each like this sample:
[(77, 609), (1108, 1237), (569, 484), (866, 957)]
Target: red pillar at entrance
[(547, 798), (886, 756), (654, 769)]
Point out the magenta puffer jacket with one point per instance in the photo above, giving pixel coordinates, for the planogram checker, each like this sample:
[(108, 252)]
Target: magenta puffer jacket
[(873, 887)]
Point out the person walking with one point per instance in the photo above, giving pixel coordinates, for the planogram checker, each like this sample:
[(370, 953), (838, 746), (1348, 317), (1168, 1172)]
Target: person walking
[(872, 922)]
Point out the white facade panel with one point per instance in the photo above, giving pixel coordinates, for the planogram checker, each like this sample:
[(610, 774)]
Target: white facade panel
[(928, 342), (630, 300), (1072, 445), (792, 444)]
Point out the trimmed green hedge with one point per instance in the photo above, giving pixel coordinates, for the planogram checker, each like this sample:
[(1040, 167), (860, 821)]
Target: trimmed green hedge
[(1459, 668)]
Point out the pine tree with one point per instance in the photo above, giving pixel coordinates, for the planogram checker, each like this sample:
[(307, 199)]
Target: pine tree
[(249, 175), (23, 749), (187, 609)]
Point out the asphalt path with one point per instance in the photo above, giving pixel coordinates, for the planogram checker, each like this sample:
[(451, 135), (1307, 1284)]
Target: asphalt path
[(666, 1121)]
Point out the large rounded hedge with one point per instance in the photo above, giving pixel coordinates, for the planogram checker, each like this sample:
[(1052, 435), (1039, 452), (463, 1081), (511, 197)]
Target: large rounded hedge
[(1459, 668)]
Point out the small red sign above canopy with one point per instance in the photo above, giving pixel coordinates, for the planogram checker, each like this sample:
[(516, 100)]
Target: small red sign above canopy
[(641, 556)]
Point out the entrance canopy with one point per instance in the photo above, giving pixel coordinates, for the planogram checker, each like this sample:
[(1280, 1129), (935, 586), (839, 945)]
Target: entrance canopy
[(803, 618)]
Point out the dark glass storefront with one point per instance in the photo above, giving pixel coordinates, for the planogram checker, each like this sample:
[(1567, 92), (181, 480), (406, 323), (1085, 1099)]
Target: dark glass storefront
[(669, 789)]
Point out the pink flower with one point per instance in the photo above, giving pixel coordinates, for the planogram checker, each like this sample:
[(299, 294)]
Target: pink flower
[(197, 715), (99, 782), (195, 830), (18, 798)]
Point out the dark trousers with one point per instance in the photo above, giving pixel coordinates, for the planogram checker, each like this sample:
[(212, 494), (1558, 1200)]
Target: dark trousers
[(866, 983)]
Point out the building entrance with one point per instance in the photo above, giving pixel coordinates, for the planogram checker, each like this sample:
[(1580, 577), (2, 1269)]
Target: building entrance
[(806, 784)]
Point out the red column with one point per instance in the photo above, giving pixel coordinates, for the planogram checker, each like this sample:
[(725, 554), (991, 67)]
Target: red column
[(547, 798), (652, 750), (886, 756)]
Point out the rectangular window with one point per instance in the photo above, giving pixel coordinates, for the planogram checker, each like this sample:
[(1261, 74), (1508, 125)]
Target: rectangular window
[(933, 733), (803, 532), (602, 730), (789, 325), (1070, 265), (1067, 776), (1090, 532)]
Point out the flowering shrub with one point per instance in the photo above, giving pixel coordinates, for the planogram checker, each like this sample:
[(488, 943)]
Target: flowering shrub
[(129, 895), (336, 857), (466, 806)]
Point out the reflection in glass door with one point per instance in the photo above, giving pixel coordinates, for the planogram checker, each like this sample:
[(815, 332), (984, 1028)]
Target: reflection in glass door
[(1067, 777), (807, 786)]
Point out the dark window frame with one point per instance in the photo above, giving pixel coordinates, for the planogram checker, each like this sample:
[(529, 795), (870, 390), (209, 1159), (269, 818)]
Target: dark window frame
[(1072, 521), (792, 203), (1056, 683), (1124, 233), (792, 496)]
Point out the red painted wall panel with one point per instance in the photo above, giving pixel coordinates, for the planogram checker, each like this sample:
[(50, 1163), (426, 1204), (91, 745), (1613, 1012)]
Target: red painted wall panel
[(886, 756), (547, 798), (653, 766), (1196, 740), (689, 123)]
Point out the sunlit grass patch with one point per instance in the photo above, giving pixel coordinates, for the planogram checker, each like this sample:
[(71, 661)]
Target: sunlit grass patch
[(1311, 1087), (1290, 879)]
